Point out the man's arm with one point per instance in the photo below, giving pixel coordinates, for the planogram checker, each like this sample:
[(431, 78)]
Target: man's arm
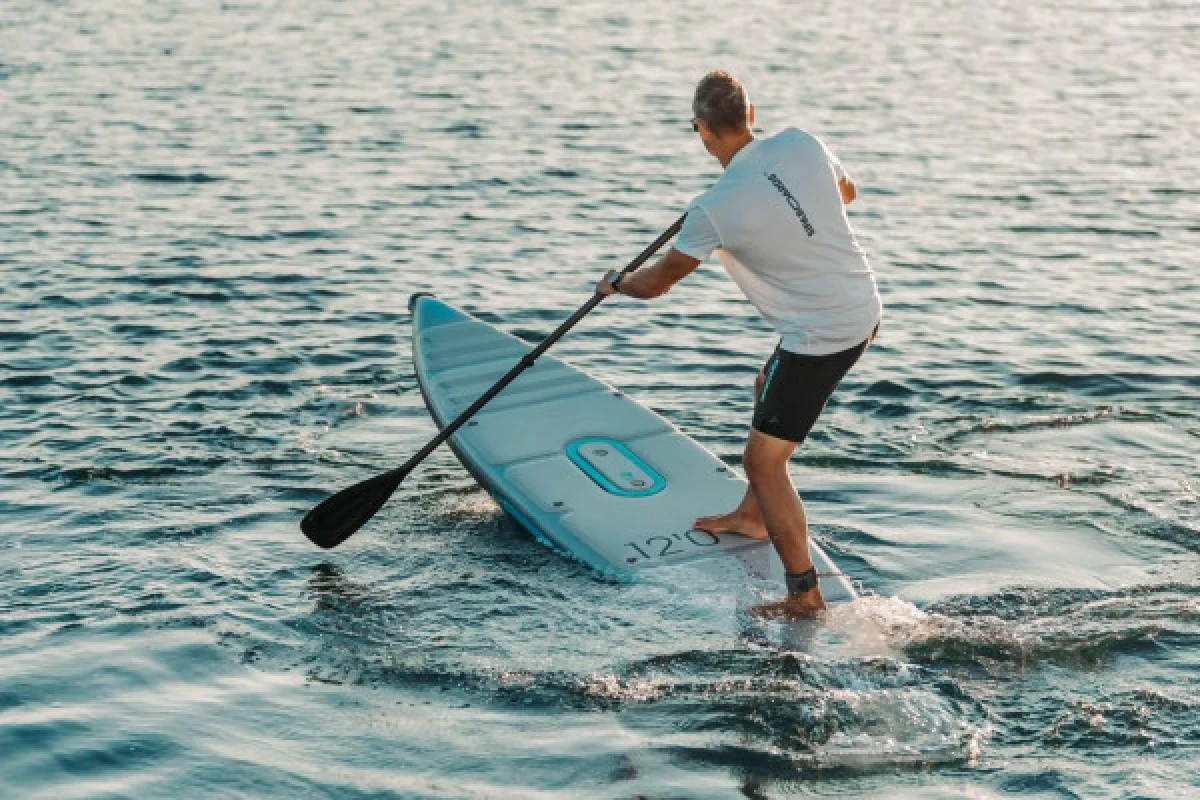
[(845, 183), (652, 281)]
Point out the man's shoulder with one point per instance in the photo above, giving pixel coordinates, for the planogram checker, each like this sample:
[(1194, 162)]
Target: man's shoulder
[(714, 196), (719, 196), (796, 137), (745, 175)]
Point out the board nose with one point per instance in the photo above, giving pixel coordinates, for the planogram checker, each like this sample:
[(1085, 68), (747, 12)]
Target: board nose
[(428, 311), (414, 297)]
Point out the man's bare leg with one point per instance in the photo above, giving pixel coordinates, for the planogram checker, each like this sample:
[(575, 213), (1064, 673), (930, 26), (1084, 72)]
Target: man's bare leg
[(747, 518), (766, 463)]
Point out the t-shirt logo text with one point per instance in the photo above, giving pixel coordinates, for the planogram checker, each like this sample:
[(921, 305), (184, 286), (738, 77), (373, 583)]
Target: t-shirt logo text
[(791, 201)]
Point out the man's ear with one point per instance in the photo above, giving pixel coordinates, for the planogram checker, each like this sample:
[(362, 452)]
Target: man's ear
[(750, 116)]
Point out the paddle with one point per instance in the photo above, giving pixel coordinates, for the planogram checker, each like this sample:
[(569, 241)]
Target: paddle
[(338, 517)]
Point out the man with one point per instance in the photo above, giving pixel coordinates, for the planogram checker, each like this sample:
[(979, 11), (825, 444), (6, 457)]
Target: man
[(777, 221)]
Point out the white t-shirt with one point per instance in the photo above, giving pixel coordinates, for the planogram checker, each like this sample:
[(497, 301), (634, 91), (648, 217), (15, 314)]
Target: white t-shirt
[(777, 222)]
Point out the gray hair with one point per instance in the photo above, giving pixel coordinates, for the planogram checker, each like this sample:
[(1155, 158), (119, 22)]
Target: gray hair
[(721, 102)]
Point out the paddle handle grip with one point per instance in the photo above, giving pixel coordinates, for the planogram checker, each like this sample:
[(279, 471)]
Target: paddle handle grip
[(533, 355)]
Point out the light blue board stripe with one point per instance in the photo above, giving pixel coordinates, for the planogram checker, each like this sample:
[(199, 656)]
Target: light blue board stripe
[(659, 482)]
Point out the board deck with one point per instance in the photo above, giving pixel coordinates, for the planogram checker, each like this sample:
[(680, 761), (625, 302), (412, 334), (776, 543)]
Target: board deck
[(579, 464)]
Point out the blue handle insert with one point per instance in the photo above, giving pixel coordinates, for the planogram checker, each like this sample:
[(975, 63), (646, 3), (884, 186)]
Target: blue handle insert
[(615, 468)]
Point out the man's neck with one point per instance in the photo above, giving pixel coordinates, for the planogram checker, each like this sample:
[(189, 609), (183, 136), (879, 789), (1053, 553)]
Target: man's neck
[(728, 149)]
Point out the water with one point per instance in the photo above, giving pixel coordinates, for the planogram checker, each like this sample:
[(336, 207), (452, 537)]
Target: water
[(211, 217)]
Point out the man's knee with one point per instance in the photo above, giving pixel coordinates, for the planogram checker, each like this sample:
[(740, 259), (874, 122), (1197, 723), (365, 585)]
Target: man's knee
[(762, 464)]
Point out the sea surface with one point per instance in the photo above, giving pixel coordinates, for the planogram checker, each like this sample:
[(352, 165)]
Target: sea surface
[(212, 215)]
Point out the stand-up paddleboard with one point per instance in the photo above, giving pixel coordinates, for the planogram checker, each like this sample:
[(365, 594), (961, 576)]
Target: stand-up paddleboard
[(576, 462)]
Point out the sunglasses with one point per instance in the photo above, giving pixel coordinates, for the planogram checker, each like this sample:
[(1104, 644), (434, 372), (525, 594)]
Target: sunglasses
[(695, 125)]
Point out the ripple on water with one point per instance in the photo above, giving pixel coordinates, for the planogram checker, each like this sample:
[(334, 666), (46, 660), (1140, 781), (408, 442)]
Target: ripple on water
[(212, 220)]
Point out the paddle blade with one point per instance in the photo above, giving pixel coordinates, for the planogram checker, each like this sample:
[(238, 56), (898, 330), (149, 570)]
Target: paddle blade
[(337, 518)]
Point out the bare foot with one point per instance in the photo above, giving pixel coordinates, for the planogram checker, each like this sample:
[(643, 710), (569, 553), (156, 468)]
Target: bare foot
[(805, 605), (733, 522)]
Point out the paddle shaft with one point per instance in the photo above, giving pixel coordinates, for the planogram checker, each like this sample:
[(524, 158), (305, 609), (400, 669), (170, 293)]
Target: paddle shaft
[(532, 356), (336, 518)]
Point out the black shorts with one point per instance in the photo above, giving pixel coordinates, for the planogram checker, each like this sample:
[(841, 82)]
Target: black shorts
[(797, 388)]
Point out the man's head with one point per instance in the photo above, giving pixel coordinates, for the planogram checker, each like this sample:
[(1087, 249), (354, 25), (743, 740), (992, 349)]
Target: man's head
[(722, 114)]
